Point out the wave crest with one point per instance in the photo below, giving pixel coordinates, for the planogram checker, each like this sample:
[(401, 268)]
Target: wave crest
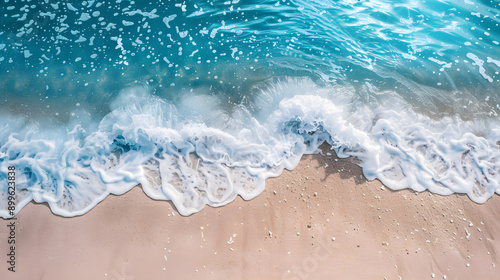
[(175, 156)]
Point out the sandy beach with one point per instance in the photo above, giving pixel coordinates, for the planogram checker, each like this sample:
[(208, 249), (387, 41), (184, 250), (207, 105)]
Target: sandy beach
[(322, 220)]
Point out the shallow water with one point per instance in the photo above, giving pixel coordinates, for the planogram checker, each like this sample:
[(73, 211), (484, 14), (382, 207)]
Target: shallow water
[(201, 101)]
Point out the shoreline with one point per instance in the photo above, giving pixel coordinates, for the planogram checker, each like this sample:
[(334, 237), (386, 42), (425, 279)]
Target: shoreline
[(321, 219)]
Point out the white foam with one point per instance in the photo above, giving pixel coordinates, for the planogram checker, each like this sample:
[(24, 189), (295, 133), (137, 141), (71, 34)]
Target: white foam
[(151, 14), (194, 153), (84, 17), (479, 63), (168, 19), (127, 23)]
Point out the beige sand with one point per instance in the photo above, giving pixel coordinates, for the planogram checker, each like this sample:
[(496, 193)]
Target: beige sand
[(285, 233)]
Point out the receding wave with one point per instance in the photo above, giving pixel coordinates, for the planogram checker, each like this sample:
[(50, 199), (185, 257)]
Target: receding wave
[(201, 151)]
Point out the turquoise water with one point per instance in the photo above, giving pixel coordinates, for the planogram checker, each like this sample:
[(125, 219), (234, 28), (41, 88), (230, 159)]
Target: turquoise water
[(201, 101)]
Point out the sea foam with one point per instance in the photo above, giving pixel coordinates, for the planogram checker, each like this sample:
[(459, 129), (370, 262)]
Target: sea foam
[(201, 151)]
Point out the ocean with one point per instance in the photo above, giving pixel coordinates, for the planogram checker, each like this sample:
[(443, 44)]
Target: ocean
[(202, 101)]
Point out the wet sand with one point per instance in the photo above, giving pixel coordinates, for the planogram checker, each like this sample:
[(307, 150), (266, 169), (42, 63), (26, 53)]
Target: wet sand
[(322, 220)]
